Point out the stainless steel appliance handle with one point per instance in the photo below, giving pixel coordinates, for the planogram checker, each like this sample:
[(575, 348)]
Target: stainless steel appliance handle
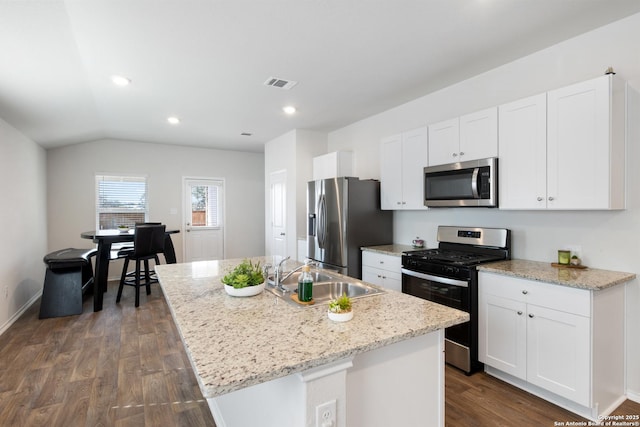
[(438, 279), (474, 182), (322, 221)]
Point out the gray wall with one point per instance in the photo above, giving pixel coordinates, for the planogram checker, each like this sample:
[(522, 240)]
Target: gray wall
[(24, 222), (71, 189)]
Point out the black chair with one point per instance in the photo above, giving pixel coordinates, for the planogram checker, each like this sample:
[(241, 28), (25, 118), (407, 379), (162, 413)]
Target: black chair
[(148, 242), (69, 273)]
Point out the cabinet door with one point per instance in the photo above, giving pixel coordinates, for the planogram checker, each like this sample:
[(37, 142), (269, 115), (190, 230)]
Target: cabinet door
[(391, 172), (444, 142), (502, 334), (558, 353), (523, 153), (414, 159), (372, 275), (479, 135), (386, 279), (578, 145)]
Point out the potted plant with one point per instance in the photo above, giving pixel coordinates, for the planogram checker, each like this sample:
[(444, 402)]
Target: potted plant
[(245, 280), (340, 309)]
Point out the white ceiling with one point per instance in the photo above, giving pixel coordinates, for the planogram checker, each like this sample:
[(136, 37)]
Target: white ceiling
[(205, 61)]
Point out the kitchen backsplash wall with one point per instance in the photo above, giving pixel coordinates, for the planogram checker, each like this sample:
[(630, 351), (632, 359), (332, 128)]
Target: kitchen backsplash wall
[(607, 238)]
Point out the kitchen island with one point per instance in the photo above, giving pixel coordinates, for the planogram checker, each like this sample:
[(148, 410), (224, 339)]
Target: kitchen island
[(262, 361)]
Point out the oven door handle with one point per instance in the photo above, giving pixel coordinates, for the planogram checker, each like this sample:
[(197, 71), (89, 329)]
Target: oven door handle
[(438, 279)]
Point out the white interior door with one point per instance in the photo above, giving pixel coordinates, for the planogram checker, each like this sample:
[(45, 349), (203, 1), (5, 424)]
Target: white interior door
[(278, 197), (203, 219)]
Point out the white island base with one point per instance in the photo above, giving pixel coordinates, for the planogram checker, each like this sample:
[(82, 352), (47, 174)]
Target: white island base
[(401, 384)]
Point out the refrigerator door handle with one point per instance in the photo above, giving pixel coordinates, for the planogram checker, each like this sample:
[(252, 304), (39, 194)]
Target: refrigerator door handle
[(322, 221), (311, 228)]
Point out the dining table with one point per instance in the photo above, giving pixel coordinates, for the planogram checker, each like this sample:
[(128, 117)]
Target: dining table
[(104, 239)]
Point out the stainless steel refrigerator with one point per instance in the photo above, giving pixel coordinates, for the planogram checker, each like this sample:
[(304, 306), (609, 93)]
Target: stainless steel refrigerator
[(343, 215)]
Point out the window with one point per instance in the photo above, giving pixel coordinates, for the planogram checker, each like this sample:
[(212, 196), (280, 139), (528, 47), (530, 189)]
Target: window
[(205, 204), (120, 200)]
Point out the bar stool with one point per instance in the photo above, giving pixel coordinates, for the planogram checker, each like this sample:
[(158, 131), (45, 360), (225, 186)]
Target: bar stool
[(69, 273), (148, 242)]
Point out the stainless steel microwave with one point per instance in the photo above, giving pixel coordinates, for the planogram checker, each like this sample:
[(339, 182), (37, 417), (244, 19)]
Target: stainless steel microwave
[(465, 184)]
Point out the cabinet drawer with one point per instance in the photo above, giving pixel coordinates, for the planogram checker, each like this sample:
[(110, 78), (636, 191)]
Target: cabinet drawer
[(381, 273), (557, 297), (385, 262)]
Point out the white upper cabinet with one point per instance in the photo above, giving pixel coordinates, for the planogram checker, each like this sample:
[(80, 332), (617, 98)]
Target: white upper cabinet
[(333, 165), (402, 161), (479, 135), (522, 176), (444, 142), (564, 149), (469, 137), (586, 145)]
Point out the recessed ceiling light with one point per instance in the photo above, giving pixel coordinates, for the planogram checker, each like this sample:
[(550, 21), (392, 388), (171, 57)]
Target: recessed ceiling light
[(120, 81), (289, 109), (173, 120)]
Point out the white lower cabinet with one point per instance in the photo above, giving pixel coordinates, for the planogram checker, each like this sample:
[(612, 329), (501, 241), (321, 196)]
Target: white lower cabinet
[(382, 270), (553, 338)]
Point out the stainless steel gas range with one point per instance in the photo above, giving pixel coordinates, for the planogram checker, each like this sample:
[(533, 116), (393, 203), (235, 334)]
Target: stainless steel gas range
[(448, 276)]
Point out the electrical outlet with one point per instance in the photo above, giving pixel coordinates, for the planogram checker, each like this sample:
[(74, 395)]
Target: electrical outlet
[(326, 414)]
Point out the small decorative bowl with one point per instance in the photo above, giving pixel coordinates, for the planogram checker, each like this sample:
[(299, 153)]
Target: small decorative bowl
[(248, 291), (340, 317)]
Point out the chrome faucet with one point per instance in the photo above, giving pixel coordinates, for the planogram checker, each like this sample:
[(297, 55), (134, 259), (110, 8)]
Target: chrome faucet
[(277, 271), (298, 268)]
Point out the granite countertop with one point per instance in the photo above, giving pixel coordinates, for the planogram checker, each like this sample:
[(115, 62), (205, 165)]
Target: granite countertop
[(588, 278), (394, 249), (238, 342)]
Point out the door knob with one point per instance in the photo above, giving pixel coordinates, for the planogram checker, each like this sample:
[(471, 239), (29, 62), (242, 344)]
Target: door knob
[(540, 199), (525, 292), (551, 199), (519, 313), (282, 234), (462, 153), (531, 316), (455, 154)]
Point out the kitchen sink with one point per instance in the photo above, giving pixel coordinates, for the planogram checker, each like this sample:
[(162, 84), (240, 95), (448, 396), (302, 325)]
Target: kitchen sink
[(317, 276), (325, 288), (332, 290)]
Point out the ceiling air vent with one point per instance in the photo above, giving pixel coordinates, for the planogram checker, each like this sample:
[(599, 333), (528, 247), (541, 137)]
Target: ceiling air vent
[(280, 83)]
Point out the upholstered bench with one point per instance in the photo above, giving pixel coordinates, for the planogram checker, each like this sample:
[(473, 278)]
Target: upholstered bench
[(69, 273)]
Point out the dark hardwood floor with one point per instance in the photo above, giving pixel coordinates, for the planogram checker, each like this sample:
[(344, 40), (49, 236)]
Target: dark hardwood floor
[(482, 400), (120, 367), (127, 367)]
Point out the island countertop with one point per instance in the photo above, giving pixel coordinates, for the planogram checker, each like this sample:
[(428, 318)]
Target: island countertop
[(238, 342), (589, 278)]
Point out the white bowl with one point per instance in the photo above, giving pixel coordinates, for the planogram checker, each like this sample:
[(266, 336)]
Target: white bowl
[(340, 317), (248, 291)]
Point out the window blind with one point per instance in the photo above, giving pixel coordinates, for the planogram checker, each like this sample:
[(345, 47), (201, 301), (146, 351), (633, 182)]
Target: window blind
[(205, 205), (120, 200)]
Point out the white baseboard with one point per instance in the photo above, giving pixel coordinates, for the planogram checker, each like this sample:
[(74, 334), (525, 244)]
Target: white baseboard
[(19, 313), (633, 395)]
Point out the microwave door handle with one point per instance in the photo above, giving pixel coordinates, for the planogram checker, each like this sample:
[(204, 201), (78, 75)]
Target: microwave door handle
[(474, 183)]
